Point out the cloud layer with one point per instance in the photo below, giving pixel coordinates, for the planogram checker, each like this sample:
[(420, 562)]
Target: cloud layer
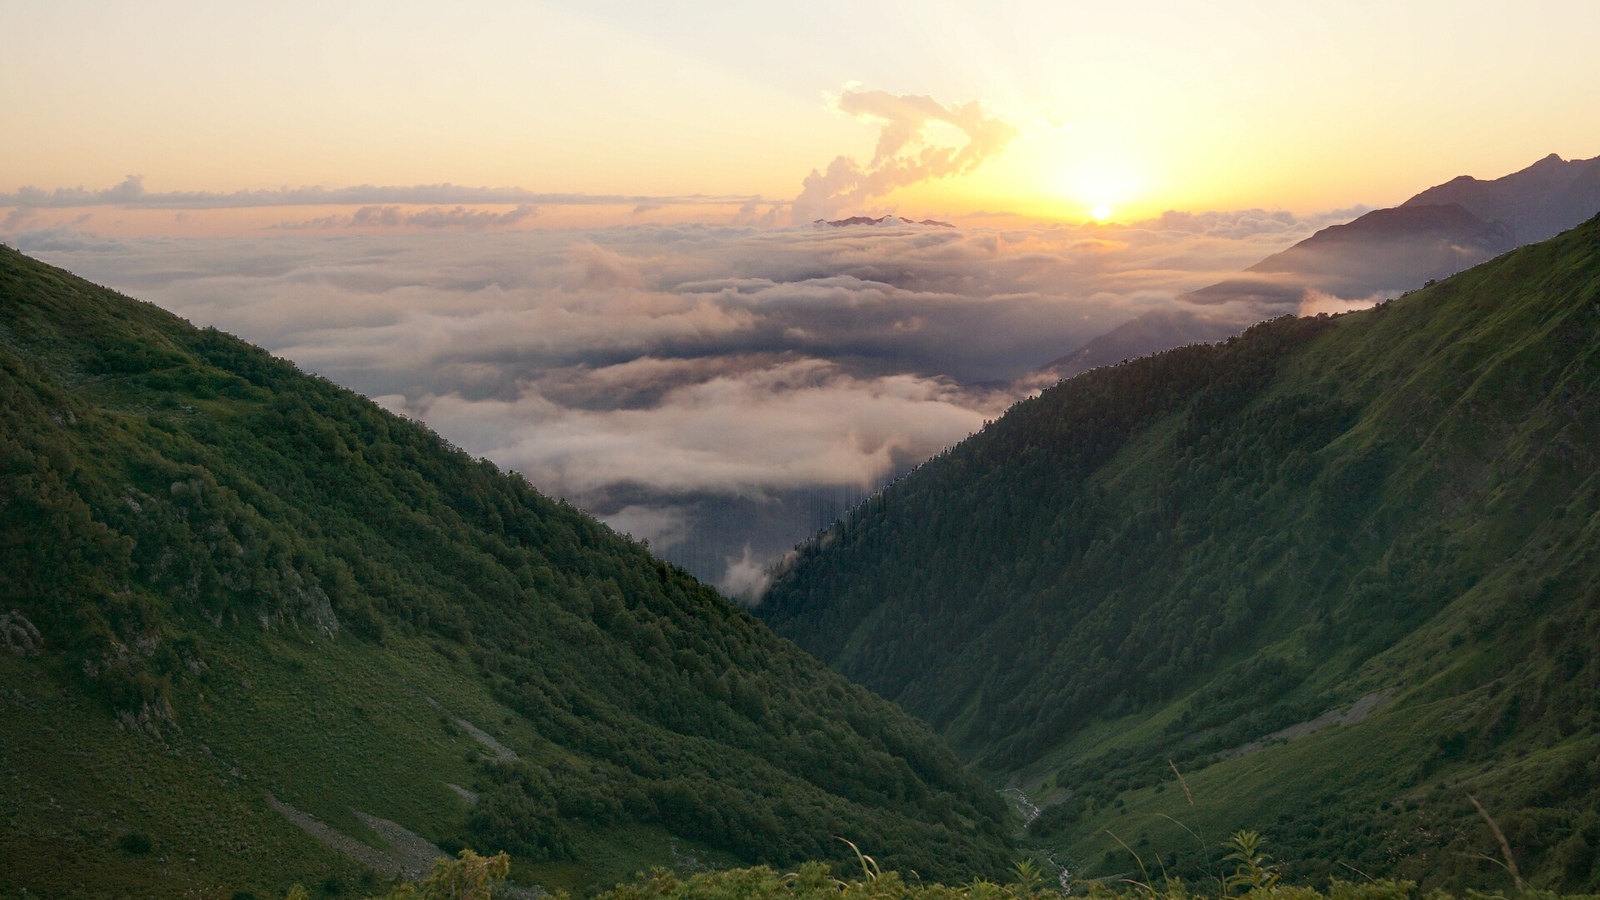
[(130, 193), (719, 390)]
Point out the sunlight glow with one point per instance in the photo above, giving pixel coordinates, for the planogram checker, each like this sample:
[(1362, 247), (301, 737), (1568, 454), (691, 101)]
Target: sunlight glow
[(1099, 185)]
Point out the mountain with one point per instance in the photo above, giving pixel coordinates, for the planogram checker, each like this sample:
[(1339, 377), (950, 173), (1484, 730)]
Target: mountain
[(1538, 202), (1441, 231), (1144, 334), (880, 220), (252, 619), (1383, 252), (1341, 573)]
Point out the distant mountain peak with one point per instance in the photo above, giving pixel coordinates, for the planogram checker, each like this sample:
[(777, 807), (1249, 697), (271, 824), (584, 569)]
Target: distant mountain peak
[(1440, 231), (881, 220)]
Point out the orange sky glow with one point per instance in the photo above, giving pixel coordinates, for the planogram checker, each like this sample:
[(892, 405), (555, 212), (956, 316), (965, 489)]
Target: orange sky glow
[(1087, 111)]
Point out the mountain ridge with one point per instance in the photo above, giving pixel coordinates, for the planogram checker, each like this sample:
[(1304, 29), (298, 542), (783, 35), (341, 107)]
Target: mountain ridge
[(1433, 234)]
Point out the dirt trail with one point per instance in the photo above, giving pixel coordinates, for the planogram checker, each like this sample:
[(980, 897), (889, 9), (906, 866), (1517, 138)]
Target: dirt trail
[(501, 751), (410, 856), (1358, 712)]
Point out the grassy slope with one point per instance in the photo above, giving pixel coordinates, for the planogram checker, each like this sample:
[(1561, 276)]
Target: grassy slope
[(249, 580), (1179, 555)]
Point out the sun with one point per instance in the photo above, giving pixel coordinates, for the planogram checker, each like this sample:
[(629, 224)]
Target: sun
[(1100, 185)]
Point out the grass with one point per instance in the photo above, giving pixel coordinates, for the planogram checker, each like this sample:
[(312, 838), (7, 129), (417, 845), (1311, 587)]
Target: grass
[(1350, 798), (93, 811), (1252, 876)]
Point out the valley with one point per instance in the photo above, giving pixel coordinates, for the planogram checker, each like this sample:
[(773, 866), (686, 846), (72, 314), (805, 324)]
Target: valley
[(1331, 579), (623, 450)]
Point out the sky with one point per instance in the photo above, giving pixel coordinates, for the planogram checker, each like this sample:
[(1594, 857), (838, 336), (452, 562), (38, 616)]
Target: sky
[(577, 237), (1172, 104)]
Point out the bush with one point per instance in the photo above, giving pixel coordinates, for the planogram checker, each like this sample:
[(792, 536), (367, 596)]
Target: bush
[(135, 842)]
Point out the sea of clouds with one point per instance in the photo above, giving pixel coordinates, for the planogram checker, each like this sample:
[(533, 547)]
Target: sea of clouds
[(721, 391)]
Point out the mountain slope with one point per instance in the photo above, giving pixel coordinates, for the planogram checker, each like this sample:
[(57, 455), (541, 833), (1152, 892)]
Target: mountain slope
[(1383, 252), (238, 596), (1441, 231), (1535, 203), (1144, 334), (1161, 566)]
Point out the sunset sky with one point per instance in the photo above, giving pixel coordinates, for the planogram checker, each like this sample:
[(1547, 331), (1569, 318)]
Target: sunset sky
[(576, 237), (1132, 108)]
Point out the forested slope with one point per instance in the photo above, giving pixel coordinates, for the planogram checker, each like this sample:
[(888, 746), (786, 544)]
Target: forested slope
[(273, 587), (1153, 565)]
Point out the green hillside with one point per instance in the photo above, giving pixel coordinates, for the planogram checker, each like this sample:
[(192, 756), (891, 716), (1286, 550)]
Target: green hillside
[(236, 597), (1182, 563)]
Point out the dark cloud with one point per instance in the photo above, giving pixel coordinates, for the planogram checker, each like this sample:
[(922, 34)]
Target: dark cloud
[(705, 387)]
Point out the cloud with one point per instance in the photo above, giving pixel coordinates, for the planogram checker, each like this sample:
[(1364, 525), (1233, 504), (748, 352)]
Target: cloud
[(434, 217), (751, 214), (702, 387), (45, 241), (907, 151), (798, 423), (17, 217), (1316, 302), (1243, 224), (662, 527), (746, 578), (131, 193)]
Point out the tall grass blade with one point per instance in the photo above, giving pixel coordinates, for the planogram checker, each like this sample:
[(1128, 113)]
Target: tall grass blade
[(1505, 846)]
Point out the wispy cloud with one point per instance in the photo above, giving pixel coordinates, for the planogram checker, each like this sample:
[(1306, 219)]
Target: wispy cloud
[(131, 193), (434, 217), (907, 152)]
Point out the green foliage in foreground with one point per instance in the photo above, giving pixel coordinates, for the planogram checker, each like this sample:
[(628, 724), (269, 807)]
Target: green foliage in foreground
[(272, 586), (1247, 871), (468, 877), (1156, 567), (473, 877), (815, 883)]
